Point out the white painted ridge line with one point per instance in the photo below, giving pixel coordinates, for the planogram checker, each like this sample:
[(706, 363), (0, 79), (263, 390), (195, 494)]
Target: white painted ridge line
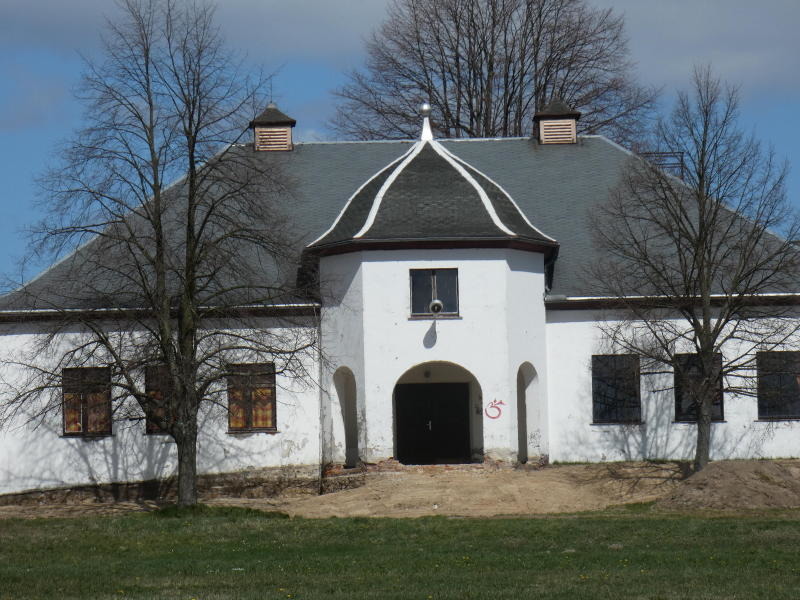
[(500, 187), (357, 192), (481, 192), (373, 212)]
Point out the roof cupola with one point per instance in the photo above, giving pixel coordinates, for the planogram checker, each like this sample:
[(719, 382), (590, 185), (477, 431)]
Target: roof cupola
[(272, 129), (556, 123)]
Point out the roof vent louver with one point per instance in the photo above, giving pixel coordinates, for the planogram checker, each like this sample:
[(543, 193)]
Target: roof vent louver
[(273, 138), (557, 124)]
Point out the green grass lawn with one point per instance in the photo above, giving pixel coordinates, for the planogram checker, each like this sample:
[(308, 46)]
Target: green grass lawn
[(235, 553)]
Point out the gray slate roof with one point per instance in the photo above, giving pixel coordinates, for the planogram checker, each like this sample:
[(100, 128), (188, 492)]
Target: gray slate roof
[(556, 186), (426, 196)]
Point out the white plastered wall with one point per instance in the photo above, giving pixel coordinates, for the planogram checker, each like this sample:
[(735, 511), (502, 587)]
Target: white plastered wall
[(34, 454), (573, 337), (368, 329)]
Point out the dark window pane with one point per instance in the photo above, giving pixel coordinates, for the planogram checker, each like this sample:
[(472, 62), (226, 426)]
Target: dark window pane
[(86, 400), (262, 407), (421, 291), (73, 414), (688, 382), (615, 388), (237, 409), (99, 413), (778, 385), (447, 289), (158, 386)]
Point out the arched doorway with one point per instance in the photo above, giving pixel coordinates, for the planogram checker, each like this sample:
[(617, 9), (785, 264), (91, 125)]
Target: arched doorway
[(435, 415)]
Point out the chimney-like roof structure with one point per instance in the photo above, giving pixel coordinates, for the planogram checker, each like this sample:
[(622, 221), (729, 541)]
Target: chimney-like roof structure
[(272, 116)]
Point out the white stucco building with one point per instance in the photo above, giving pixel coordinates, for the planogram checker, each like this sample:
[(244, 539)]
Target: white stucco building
[(455, 326)]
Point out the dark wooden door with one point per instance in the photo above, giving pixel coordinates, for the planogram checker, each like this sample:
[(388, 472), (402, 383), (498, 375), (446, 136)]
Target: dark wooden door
[(432, 423)]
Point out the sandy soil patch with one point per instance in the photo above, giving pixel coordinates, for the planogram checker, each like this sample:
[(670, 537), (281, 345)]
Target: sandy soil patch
[(477, 491)]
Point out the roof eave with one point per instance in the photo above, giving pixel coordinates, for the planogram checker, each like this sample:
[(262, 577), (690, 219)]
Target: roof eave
[(546, 247)]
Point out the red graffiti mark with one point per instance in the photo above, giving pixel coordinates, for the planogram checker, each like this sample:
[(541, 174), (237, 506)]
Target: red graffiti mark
[(493, 411)]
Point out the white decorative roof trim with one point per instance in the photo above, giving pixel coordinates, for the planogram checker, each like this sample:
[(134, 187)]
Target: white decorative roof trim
[(358, 191), (376, 204), (500, 187), (427, 134), (487, 204)]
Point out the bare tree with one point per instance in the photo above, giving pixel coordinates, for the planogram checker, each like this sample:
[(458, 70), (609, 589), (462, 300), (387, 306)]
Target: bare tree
[(486, 66), (703, 265), (176, 277)]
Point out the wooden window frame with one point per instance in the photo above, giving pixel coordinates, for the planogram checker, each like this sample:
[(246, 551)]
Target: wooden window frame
[(427, 313), (157, 381), (629, 410), (686, 417), (243, 380), (78, 385), (769, 395)]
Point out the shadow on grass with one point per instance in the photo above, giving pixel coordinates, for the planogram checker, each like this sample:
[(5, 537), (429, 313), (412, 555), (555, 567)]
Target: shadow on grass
[(221, 512)]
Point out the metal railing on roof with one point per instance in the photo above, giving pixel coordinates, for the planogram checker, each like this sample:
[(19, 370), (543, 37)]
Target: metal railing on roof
[(671, 162)]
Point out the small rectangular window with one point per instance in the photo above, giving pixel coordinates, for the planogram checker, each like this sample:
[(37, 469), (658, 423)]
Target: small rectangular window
[(158, 387), (86, 401), (688, 378), (251, 398), (615, 389), (428, 285), (778, 385)]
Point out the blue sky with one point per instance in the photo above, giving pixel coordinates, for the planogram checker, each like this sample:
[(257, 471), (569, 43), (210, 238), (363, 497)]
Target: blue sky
[(311, 43)]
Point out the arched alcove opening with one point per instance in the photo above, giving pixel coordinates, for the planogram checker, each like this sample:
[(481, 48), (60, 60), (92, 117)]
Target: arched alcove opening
[(437, 415), (526, 379), (345, 384)]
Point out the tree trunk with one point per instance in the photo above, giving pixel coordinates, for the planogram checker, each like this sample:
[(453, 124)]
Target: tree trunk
[(187, 467), (703, 447)]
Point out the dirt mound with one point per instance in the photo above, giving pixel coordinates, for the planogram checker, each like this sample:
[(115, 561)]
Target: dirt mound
[(738, 485)]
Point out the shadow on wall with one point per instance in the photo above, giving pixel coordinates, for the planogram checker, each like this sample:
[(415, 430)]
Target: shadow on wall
[(44, 458), (658, 437), (40, 457)]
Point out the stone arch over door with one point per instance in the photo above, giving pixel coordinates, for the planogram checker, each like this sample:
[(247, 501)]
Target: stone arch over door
[(437, 415), (528, 427), (352, 424)]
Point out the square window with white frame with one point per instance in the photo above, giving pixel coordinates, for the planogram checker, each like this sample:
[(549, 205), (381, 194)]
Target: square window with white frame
[(434, 292)]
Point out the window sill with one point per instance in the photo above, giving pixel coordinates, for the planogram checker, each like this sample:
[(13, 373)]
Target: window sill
[(249, 431), (89, 437), (713, 422), (774, 419), (431, 317), (617, 423)]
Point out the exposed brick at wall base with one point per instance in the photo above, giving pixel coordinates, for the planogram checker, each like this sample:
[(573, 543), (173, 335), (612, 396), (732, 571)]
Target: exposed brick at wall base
[(256, 483)]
